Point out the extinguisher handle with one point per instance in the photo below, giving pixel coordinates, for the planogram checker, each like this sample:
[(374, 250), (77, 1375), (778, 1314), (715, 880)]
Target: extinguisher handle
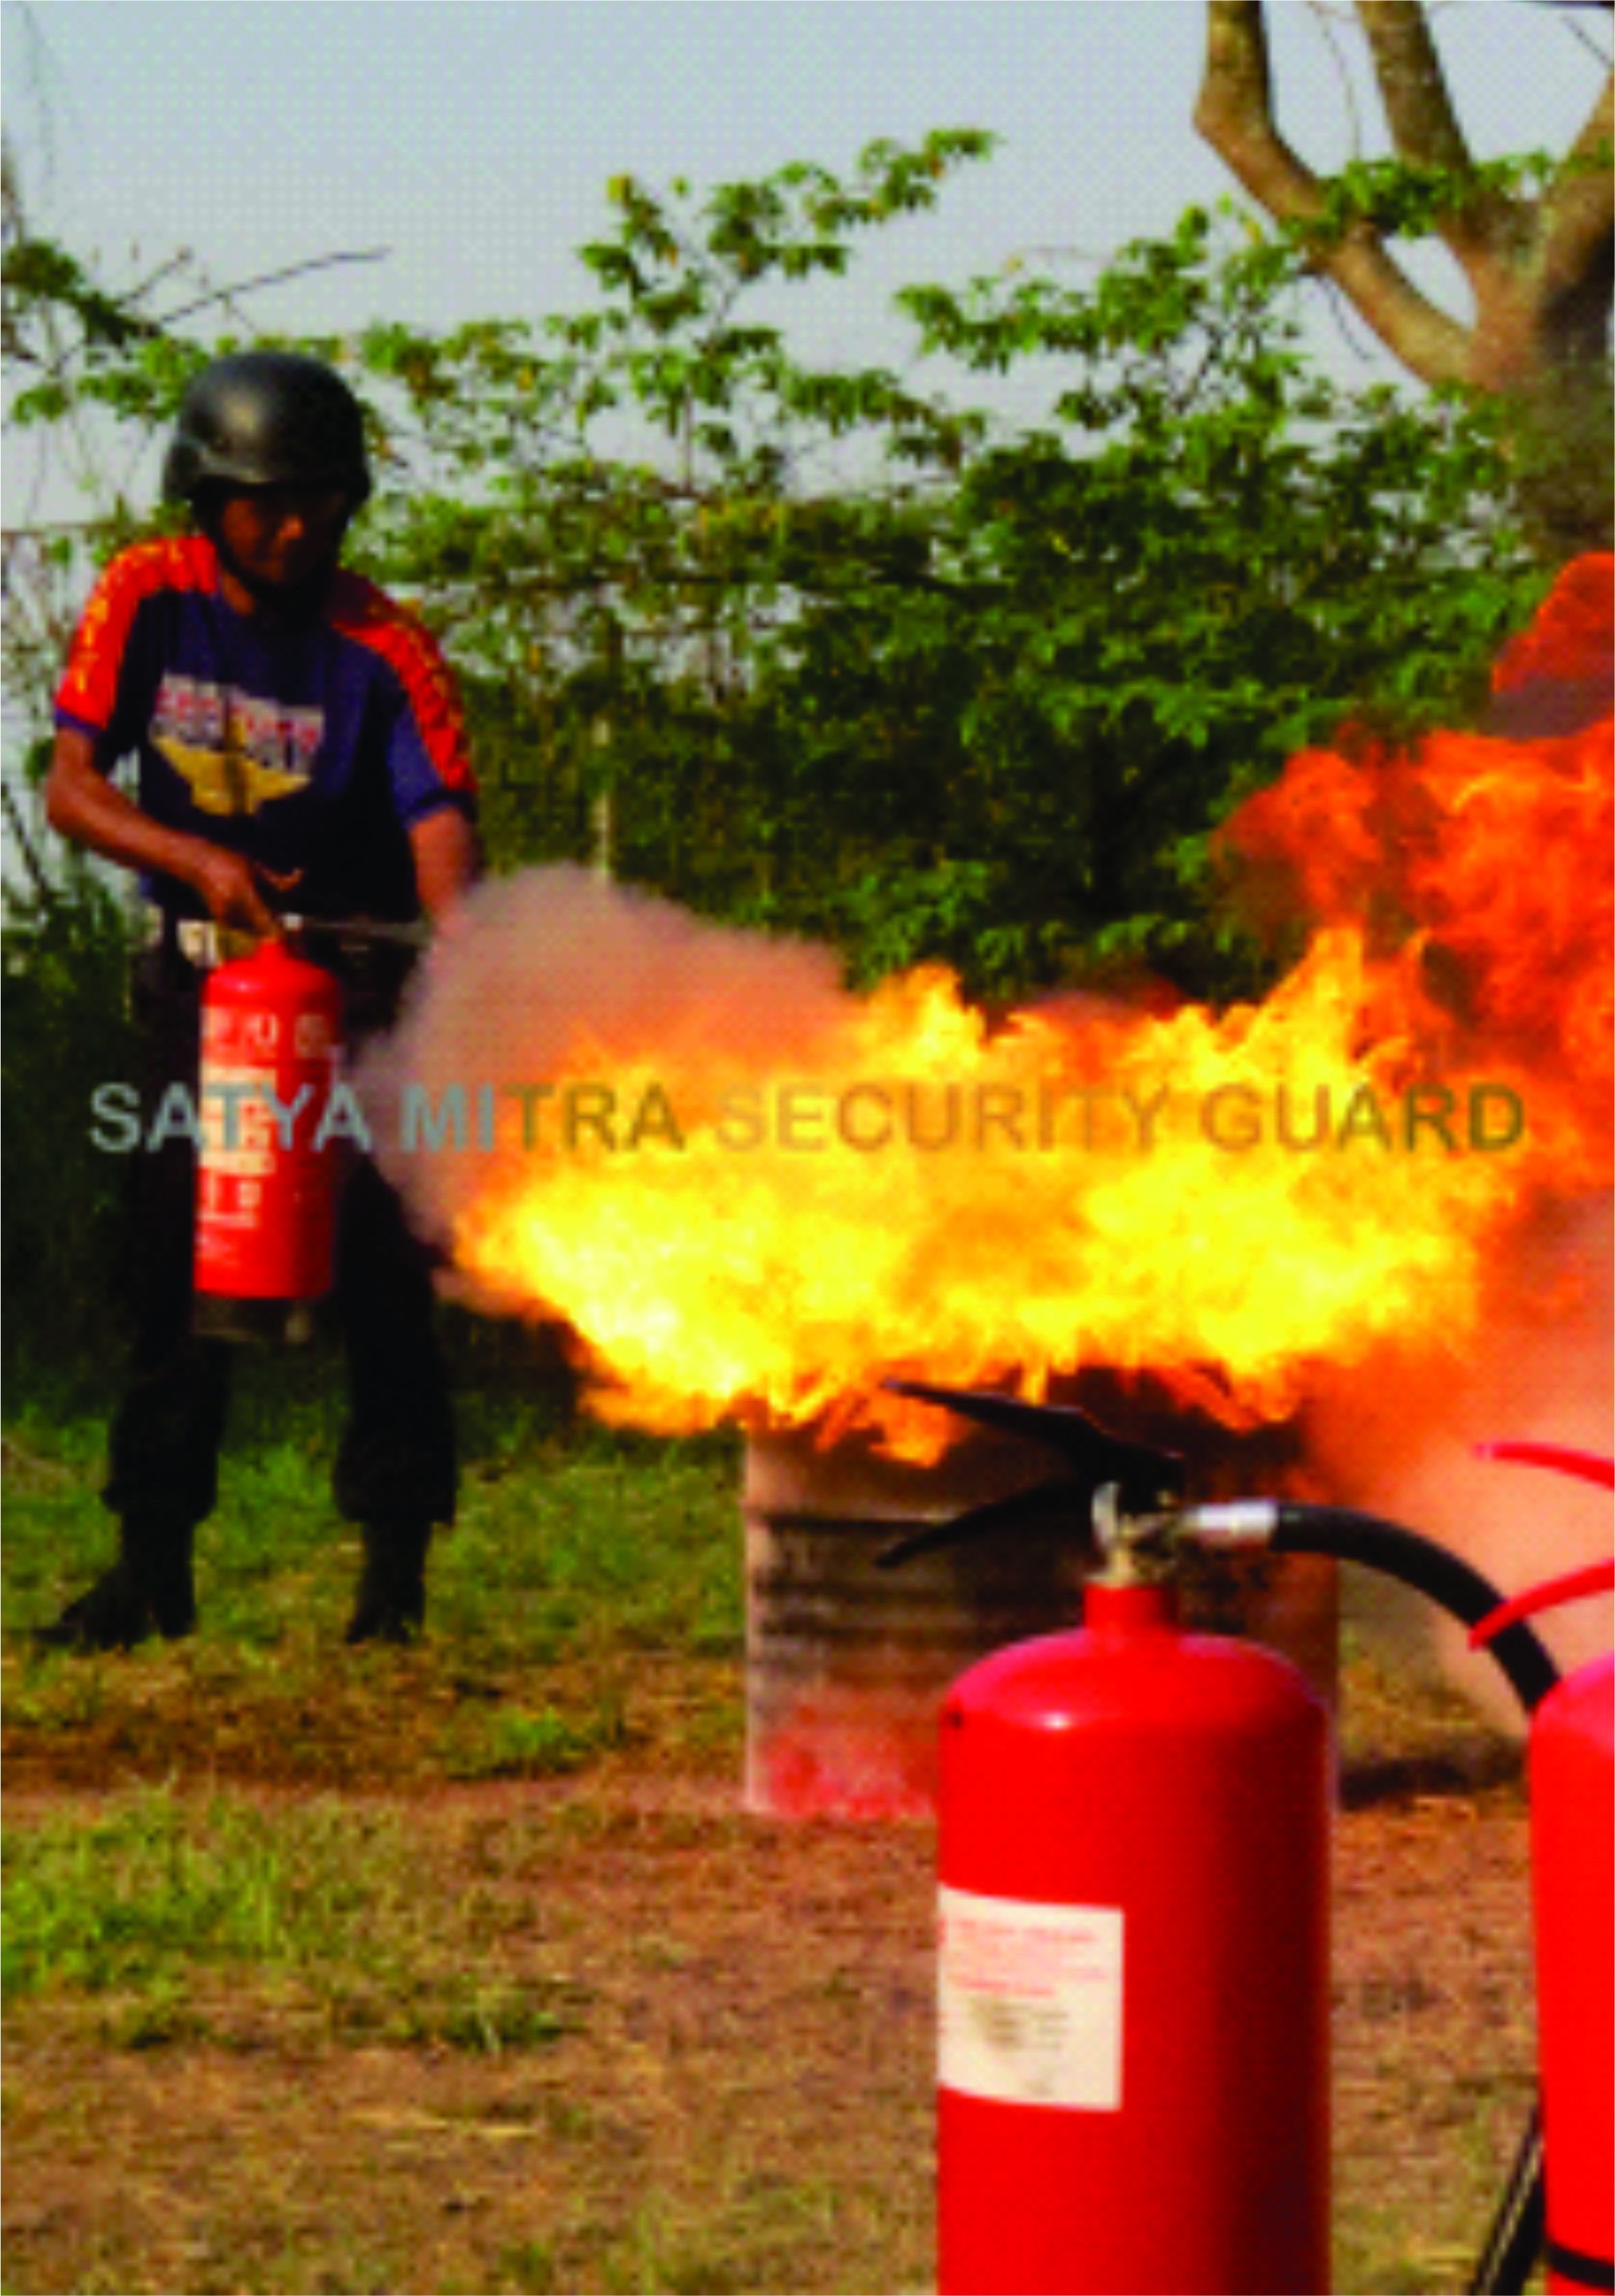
[(1588, 1466), (1146, 1476), (1072, 1501), (1145, 1479), (1592, 1578)]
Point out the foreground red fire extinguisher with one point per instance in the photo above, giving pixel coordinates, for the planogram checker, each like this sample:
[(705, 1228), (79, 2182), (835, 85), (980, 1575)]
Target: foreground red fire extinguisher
[(1573, 1791), (1134, 1931), (1134, 1964), (265, 1182)]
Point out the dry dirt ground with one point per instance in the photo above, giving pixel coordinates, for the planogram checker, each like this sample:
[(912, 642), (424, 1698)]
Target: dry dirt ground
[(738, 2091)]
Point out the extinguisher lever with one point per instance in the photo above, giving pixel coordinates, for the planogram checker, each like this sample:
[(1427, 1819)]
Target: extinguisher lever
[(1145, 1479), (1072, 1501), (1147, 1476)]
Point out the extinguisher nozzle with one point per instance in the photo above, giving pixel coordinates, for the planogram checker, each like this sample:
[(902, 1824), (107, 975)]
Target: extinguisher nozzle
[(1231, 1522)]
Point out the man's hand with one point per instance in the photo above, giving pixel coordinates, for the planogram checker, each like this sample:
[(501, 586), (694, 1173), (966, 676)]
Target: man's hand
[(230, 885), (82, 805)]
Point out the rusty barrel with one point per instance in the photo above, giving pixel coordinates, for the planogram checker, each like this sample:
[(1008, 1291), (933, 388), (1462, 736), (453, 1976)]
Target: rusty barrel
[(847, 1664)]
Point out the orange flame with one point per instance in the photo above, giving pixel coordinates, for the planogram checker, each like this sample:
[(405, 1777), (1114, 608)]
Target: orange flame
[(743, 1221)]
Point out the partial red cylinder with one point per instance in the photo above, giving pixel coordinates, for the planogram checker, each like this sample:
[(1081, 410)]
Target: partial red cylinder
[(1572, 1784), (1572, 1771), (265, 1182), (1134, 1965)]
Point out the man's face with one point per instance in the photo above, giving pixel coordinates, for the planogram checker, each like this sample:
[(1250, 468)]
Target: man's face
[(284, 537)]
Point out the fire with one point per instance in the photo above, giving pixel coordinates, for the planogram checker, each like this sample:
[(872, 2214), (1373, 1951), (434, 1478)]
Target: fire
[(753, 1196)]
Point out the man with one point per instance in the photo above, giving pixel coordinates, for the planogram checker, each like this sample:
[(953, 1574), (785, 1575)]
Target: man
[(297, 739)]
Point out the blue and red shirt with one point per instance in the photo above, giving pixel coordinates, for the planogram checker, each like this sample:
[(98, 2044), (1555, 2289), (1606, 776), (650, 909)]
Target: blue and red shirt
[(313, 745)]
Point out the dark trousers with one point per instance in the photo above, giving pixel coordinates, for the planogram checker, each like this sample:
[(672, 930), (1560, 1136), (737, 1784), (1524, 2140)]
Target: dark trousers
[(396, 1454)]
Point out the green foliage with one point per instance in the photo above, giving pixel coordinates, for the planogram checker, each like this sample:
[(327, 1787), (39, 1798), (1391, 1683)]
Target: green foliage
[(989, 703), (64, 1030), (1407, 199), (815, 648)]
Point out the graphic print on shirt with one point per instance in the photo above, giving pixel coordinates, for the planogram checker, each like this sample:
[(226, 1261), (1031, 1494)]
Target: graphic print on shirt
[(235, 752)]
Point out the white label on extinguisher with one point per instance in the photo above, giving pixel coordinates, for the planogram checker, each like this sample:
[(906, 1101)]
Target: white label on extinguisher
[(1030, 2000), (237, 1116)]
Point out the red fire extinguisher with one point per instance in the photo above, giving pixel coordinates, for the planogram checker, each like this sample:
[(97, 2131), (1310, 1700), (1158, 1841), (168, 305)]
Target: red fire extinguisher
[(266, 1180), (1134, 1933), (1572, 1790), (1134, 1971)]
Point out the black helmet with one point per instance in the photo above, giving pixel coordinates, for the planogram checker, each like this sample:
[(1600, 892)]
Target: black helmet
[(266, 418)]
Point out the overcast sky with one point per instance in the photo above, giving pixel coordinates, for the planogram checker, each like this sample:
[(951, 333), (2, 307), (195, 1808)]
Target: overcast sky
[(473, 138)]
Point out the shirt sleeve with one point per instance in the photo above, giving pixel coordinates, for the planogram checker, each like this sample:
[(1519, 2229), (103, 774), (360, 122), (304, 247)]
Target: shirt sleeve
[(99, 693), (87, 697), (429, 756)]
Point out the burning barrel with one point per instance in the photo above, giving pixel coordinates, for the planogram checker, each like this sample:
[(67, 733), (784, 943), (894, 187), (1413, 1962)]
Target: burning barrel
[(847, 1664)]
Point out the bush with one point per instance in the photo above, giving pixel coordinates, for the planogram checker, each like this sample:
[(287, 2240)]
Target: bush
[(65, 1029)]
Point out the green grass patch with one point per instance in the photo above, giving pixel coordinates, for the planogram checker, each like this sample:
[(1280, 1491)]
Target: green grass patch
[(585, 1568), (568, 1535), (175, 1918), (514, 1741)]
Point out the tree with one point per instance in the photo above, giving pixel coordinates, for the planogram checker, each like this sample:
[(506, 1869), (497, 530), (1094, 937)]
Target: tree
[(1535, 249), (987, 701)]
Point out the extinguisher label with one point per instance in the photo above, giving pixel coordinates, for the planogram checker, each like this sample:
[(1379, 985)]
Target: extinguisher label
[(1030, 2001), (240, 1141)]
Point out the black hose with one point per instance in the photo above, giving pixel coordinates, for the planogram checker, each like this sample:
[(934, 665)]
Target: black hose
[(1420, 1563), (1514, 2241)]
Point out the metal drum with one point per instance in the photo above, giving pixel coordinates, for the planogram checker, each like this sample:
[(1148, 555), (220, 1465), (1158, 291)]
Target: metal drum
[(846, 1665)]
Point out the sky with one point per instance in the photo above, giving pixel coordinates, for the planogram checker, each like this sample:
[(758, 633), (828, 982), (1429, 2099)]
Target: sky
[(473, 139), (471, 142)]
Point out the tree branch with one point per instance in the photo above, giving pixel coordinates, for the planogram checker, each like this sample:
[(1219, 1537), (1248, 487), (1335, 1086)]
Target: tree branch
[(1425, 131), (1424, 125), (1234, 114), (272, 279)]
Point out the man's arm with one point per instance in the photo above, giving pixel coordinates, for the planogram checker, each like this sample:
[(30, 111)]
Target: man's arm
[(82, 805), (448, 859)]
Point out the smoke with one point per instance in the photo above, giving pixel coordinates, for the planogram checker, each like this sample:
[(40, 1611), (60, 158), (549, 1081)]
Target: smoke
[(1398, 1436), (552, 972)]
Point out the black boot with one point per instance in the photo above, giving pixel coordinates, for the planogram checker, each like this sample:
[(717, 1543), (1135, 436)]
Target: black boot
[(148, 1591), (391, 1602)]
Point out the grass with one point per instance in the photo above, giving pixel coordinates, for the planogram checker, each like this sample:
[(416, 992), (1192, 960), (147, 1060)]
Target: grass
[(170, 1917), (582, 1562), (459, 1968)]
